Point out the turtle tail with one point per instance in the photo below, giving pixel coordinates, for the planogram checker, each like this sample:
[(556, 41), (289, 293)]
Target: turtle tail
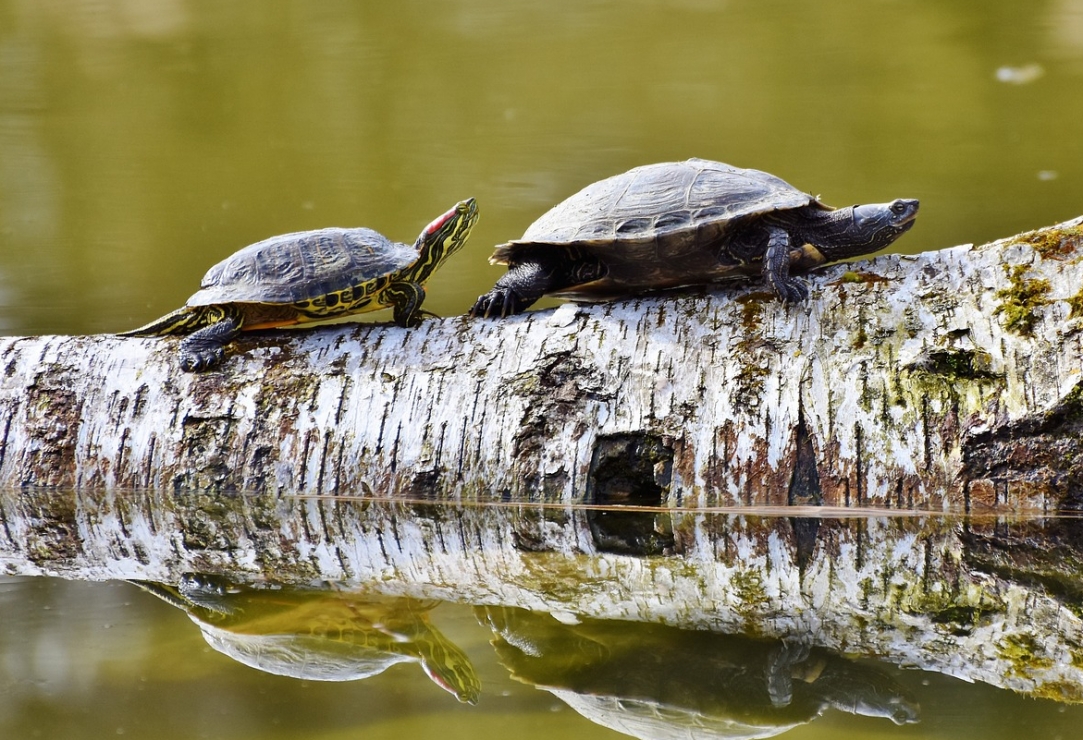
[(182, 321)]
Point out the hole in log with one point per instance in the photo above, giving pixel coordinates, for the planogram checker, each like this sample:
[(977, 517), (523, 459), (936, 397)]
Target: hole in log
[(805, 483), (630, 470)]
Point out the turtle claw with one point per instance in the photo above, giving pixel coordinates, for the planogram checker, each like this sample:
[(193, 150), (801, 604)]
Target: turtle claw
[(790, 290), (206, 348), (196, 360), (501, 302), (483, 306)]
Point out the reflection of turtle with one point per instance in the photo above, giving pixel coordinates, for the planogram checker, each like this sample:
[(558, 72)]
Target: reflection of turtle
[(652, 681), (310, 276), (683, 223), (321, 635)]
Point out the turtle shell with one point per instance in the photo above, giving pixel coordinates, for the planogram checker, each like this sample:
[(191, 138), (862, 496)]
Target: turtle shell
[(660, 225), (302, 266), (658, 199)]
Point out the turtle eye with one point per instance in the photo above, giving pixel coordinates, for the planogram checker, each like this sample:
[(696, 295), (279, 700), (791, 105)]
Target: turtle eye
[(898, 208)]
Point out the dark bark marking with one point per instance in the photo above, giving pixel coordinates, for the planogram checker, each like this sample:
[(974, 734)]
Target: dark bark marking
[(148, 472), (305, 527), (393, 464), (338, 468), (54, 415), (139, 400), (122, 448), (344, 563), (7, 434), (343, 395), (324, 454), (380, 434), (440, 445), (805, 482), (383, 549), (305, 451), (462, 449)]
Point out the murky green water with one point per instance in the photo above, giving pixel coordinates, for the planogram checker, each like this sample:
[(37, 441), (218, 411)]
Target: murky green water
[(143, 140)]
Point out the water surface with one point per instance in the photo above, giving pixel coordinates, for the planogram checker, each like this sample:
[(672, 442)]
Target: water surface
[(142, 142)]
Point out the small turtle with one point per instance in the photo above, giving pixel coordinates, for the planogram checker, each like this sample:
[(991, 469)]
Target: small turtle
[(310, 276), (321, 635), (683, 223)]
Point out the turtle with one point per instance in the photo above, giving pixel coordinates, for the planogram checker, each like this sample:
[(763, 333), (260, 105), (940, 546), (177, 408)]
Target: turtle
[(320, 634), (310, 276), (677, 224), (654, 680)]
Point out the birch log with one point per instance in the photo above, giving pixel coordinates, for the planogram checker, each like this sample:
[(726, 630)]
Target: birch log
[(950, 379)]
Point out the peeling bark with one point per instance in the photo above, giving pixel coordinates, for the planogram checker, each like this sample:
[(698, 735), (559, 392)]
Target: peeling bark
[(946, 380)]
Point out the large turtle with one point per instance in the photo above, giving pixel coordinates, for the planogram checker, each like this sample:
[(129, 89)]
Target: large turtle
[(655, 681), (310, 276), (682, 223)]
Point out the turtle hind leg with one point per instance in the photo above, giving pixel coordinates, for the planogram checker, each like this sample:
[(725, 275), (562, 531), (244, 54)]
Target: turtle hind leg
[(206, 348), (780, 670), (526, 282)]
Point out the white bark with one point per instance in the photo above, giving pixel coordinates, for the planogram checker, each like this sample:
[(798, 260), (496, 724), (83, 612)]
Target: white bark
[(898, 384)]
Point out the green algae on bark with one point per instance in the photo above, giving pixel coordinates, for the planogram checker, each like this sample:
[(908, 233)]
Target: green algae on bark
[(1020, 302)]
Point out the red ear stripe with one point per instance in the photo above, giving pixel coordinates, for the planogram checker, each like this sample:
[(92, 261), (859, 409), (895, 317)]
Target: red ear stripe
[(439, 222)]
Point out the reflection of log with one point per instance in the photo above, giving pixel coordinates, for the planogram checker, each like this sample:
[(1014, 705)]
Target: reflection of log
[(930, 593), (952, 378)]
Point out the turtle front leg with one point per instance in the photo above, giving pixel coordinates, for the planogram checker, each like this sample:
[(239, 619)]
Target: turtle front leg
[(205, 348), (780, 670), (526, 282), (516, 291), (406, 298), (776, 269)]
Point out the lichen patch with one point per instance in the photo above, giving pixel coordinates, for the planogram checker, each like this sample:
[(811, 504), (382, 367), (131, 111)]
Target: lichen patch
[(1021, 300)]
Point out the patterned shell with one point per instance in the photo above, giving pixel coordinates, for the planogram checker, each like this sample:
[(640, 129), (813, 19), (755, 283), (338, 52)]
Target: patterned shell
[(302, 266), (655, 201)]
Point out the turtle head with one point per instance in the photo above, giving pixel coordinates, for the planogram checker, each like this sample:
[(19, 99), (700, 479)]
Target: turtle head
[(869, 228), (445, 236)]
